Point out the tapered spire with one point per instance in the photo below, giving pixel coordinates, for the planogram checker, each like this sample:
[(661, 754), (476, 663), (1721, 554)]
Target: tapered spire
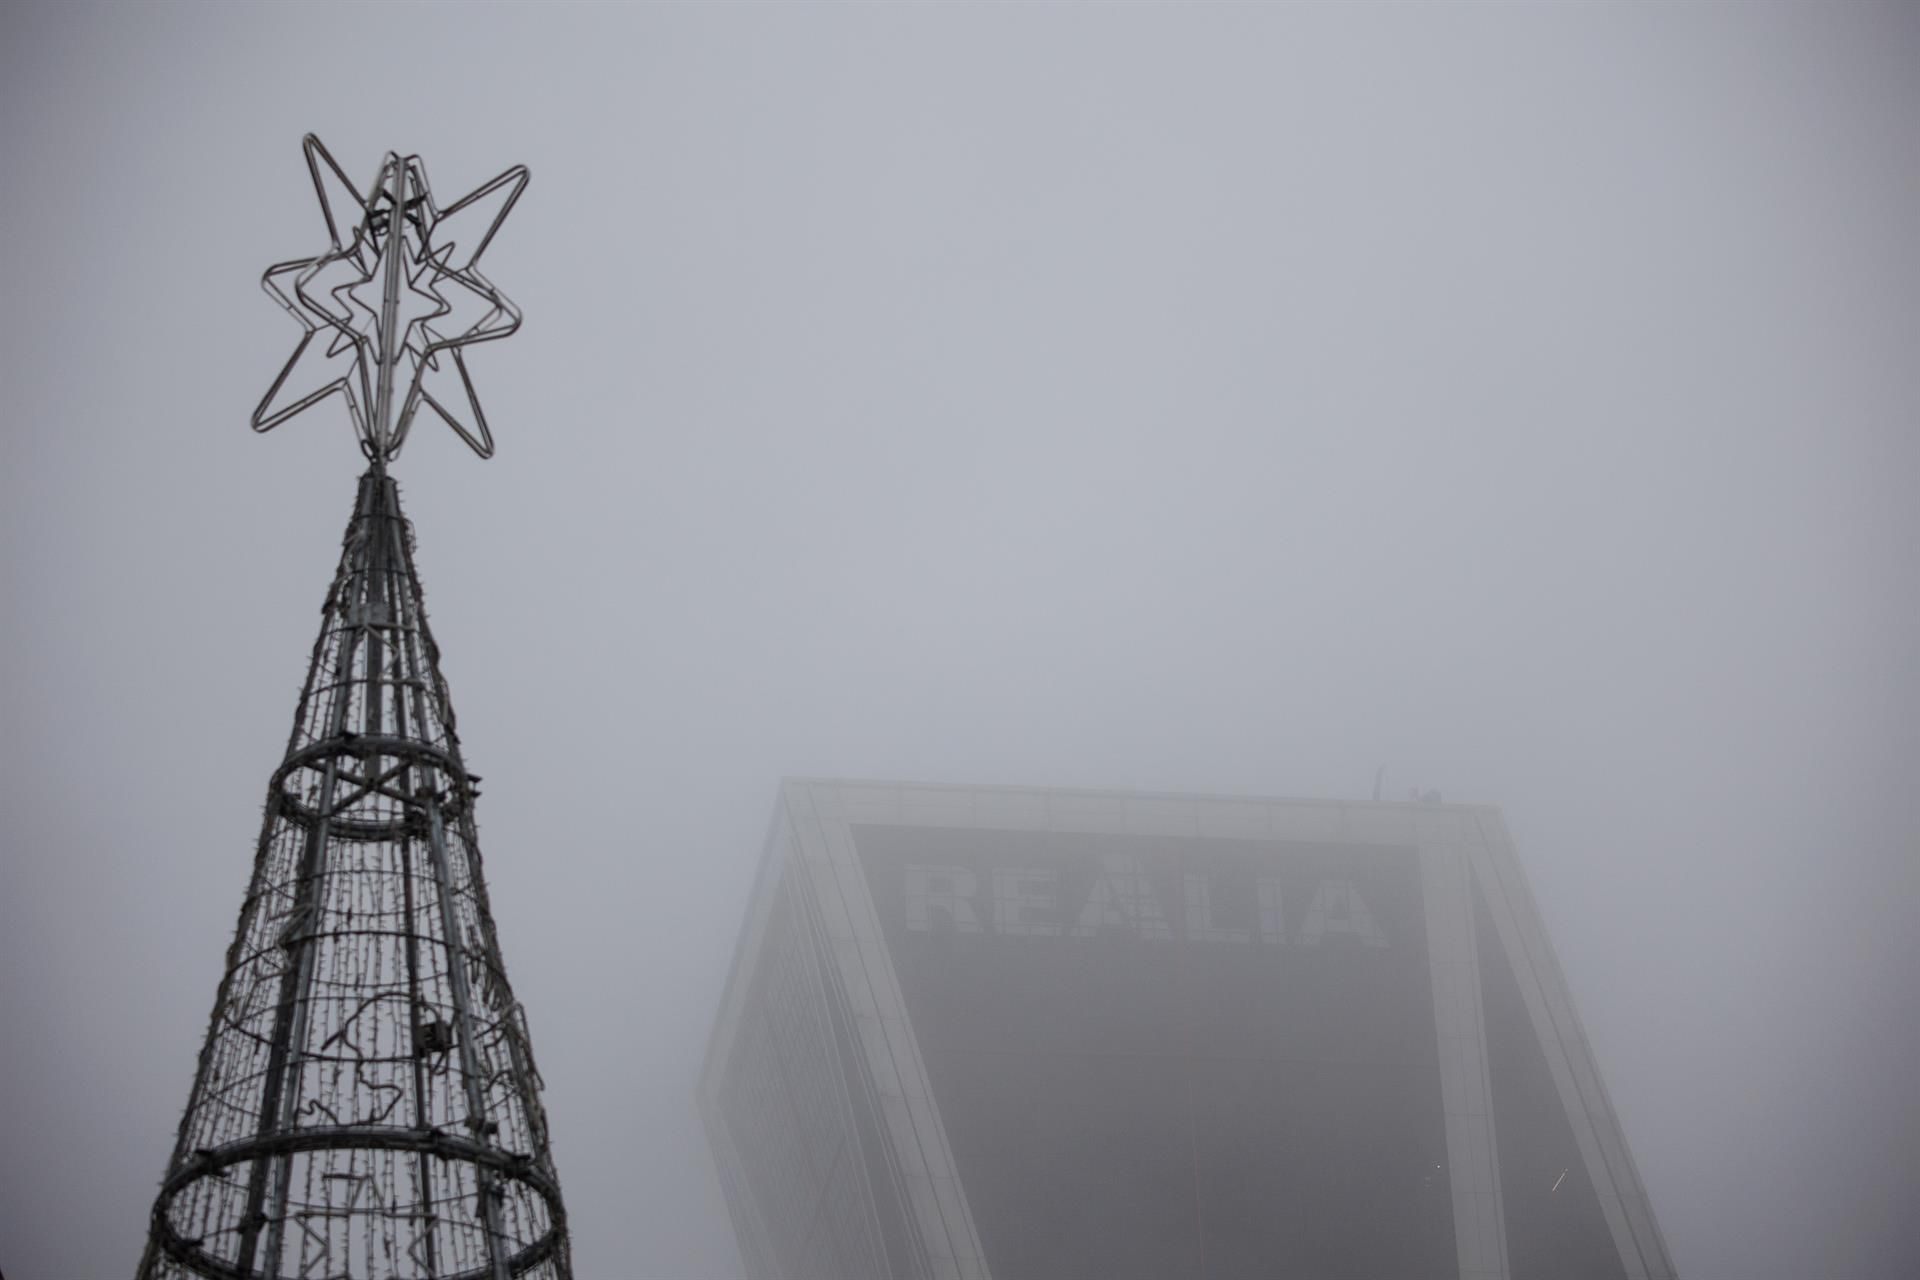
[(366, 1103)]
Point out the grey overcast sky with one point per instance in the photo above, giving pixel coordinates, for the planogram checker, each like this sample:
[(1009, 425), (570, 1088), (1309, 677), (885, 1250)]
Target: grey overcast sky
[(1195, 398)]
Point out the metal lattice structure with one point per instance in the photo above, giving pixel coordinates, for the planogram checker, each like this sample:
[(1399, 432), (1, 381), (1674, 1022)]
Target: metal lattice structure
[(366, 1103)]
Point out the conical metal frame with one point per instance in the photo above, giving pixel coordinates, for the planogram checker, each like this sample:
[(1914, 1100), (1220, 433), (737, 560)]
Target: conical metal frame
[(366, 1102)]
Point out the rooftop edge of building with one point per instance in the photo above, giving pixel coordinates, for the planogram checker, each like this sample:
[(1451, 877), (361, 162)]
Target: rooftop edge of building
[(1128, 793)]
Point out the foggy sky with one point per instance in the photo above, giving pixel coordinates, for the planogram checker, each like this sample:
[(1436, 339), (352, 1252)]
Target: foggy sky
[(1224, 399)]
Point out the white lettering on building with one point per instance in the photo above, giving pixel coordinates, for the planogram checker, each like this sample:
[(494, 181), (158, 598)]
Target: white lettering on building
[(1023, 901), (1337, 908), (1122, 901), (1200, 925), (1273, 926), (948, 890)]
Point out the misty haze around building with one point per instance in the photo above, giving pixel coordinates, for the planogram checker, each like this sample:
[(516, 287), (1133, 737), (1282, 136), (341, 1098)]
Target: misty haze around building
[(1024, 1034), (1426, 411)]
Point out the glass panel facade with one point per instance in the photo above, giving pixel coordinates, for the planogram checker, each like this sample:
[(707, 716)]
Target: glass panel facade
[(1160, 1056), (1555, 1227), (905, 1259), (781, 1096)]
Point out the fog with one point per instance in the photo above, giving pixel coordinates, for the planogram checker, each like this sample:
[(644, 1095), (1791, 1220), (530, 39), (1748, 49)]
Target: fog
[(1220, 399)]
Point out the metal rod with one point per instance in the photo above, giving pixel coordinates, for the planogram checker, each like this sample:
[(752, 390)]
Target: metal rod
[(415, 1005), (464, 1033)]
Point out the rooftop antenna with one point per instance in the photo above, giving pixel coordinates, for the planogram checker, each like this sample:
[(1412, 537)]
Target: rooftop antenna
[(366, 1102)]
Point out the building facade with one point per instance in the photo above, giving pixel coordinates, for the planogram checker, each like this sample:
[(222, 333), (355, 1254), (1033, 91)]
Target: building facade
[(1033, 1034)]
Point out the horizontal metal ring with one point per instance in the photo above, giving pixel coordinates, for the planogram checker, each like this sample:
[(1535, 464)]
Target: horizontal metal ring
[(363, 1137)]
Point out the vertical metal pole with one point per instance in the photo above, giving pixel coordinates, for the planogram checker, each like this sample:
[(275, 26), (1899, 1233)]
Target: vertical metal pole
[(391, 251), (392, 572), (469, 1055)]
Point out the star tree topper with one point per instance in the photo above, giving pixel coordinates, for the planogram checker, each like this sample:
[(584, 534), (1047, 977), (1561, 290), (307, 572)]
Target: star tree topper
[(390, 308)]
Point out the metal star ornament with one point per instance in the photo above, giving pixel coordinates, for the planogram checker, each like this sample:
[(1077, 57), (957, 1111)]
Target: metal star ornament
[(389, 309)]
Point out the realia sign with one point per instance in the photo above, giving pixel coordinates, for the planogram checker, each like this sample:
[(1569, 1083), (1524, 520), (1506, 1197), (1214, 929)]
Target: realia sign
[(1122, 899)]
